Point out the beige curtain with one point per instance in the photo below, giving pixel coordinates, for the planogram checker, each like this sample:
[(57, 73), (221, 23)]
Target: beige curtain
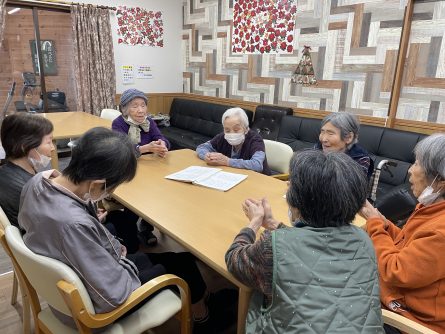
[(93, 59), (2, 19)]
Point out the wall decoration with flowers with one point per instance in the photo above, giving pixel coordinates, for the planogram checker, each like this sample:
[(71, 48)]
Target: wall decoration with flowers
[(263, 26), (137, 26)]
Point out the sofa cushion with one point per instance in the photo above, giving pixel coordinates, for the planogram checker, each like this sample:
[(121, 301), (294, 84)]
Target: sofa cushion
[(370, 137), (299, 132), (399, 145), (180, 138), (267, 120), (197, 116)]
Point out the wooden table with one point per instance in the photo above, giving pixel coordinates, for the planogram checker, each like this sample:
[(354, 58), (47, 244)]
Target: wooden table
[(71, 124), (204, 221)]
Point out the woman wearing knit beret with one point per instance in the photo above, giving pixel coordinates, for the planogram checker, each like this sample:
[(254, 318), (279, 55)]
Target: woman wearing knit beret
[(143, 131)]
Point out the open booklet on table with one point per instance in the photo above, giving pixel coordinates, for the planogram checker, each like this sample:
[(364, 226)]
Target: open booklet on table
[(209, 177)]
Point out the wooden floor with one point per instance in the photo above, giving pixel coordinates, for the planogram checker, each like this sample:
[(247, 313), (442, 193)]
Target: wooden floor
[(10, 316)]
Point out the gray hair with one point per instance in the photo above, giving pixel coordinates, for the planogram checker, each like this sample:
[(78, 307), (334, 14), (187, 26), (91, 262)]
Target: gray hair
[(328, 189), (346, 123), (124, 110), (238, 112), (430, 153)]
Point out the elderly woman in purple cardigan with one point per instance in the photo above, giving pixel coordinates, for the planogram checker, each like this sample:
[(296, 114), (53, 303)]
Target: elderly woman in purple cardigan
[(142, 130), (146, 137), (237, 146)]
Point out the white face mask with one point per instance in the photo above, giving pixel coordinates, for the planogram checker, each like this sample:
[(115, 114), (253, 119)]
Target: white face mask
[(87, 197), (289, 214), (43, 161), (234, 139), (427, 196)]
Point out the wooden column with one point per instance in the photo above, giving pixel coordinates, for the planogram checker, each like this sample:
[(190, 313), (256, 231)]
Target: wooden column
[(398, 75)]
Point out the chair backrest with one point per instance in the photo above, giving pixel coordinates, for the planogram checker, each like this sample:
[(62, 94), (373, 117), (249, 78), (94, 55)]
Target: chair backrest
[(110, 114), (43, 273), (278, 155), (404, 324), (267, 120), (4, 221)]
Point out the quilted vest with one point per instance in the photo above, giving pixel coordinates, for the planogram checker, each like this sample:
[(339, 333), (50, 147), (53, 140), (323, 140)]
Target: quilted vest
[(325, 280)]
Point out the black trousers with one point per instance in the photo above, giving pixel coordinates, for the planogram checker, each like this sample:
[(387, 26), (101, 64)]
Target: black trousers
[(124, 223), (183, 265), (391, 330)]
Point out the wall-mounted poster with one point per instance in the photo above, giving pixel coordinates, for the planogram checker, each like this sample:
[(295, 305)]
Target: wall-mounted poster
[(137, 26), (127, 74), (48, 57), (263, 26), (144, 72)]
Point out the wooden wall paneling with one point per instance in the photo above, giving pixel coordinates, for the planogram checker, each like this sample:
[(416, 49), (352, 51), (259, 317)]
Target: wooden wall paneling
[(419, 127), (157, 102), (161, 102), (422, 93)]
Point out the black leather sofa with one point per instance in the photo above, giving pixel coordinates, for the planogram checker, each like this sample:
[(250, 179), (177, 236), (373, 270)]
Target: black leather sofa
[(194, 122), (394, 196)]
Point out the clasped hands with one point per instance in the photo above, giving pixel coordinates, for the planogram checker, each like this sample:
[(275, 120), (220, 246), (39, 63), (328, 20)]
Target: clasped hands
[(216, 159), (259, 213), (156, 146)]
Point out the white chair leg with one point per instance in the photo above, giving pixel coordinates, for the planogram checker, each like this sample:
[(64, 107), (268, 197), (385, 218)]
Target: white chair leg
[(15, 286)]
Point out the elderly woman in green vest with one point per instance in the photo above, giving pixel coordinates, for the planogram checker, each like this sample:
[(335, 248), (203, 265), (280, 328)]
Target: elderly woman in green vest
[(318, 275)]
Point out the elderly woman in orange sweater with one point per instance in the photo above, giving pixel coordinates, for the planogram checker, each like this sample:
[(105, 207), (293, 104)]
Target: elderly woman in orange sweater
[(410, 260)]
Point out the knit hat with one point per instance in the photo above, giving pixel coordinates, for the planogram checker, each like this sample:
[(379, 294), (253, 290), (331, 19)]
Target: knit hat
[(131, 94)]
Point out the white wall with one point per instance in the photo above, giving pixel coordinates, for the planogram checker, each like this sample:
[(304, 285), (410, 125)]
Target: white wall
[(166, 61)]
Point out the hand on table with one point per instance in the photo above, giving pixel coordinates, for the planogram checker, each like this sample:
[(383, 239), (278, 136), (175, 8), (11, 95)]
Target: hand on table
[(216, 159)]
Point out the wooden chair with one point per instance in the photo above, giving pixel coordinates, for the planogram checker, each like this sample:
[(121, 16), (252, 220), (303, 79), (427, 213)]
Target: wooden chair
[(278, 157), (63, 290), (4, 222), (404, 324)]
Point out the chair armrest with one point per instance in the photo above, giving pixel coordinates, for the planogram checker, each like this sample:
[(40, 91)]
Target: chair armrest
[(283, 177), (72, 298), (404, 324)]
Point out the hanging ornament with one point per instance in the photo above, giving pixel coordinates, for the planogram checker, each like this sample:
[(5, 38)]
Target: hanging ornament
[(304, 73)]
